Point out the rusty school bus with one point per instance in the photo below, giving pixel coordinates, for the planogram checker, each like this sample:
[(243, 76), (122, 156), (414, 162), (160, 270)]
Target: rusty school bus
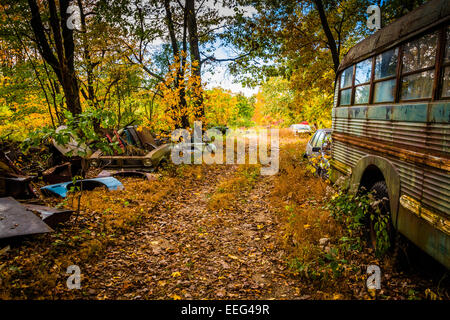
[(391, 123)]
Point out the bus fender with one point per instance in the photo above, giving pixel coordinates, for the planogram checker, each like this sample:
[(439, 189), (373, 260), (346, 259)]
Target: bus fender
[(391, 177)]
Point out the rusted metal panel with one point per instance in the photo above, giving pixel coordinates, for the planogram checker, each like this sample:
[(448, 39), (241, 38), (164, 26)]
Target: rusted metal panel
[(18, 187), (436, 189), (413, 136), (127, 173), (51, 216), (417, 21), (423, 128), (416, 208), (411, 178), (16, 220), (431, 137), (395, 150), (59, 173), (430, 185), (424, 234)]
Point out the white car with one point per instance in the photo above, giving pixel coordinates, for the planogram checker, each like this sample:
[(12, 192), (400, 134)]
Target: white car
[(300, 128)]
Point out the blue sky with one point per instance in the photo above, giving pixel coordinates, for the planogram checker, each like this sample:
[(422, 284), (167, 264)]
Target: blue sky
[(221, 77)]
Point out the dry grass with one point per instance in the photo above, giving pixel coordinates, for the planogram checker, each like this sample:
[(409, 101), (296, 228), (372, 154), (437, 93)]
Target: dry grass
[(36, 268), (300, 197), (241, 181), (288, 137)]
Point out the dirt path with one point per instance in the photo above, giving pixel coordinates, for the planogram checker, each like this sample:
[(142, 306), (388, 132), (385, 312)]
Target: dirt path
[(189, 252)]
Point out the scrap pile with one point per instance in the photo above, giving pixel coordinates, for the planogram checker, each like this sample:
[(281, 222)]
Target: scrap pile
[(140, 149), (22, 211)]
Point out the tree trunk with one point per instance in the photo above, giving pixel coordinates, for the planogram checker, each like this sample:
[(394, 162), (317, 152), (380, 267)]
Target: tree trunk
[(184, 121), (195, 56), (330, 39), (63, 63)]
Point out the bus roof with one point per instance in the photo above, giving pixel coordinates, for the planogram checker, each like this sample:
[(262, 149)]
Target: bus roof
[(419, 20)]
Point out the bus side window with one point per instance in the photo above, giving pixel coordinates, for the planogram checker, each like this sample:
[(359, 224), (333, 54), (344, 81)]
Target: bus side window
[(418, 72), (346, 82), (362, 81), (385, 76), (445, 93)]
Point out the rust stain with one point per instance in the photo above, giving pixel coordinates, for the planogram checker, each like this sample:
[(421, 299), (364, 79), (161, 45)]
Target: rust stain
[(401, 152), (438, 221)]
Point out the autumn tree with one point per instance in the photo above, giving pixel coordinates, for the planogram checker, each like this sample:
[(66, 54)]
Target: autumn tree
[(302, 42), (57, 49)]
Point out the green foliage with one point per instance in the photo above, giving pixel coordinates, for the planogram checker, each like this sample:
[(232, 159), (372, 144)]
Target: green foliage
[(278, 99), (354, 212), (381, 222), (81, 128)]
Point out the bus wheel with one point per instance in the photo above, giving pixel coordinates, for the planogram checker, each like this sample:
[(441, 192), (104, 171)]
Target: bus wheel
[(379, 222)]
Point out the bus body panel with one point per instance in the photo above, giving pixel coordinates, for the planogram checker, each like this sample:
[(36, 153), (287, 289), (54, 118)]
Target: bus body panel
[(406, 141), (415, 139)]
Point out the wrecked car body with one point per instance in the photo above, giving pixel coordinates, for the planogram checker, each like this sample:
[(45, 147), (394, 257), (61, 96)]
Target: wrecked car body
[(140, 150), (149, 161), (61, 189)]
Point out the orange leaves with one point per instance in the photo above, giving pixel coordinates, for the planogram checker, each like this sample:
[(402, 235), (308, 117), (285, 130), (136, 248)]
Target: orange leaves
[(180, 90), (221, 106), (224, 197)]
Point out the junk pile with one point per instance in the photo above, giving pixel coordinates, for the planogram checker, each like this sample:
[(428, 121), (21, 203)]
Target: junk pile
[(22, 211), (140, 150)]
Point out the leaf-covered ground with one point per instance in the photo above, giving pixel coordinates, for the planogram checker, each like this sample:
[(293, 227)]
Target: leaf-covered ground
[(205, 232), (188, 251)]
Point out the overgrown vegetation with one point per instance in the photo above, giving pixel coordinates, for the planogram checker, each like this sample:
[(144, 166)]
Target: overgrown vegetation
[(324, 231), (37, 267)]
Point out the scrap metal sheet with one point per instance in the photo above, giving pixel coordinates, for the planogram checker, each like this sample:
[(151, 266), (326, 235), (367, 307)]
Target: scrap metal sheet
[(16, 220)]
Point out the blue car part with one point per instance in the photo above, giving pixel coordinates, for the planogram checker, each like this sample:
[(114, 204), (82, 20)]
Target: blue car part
[(61, 189)]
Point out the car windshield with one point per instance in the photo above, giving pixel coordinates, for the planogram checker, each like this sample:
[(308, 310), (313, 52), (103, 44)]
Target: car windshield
[(319, 139)]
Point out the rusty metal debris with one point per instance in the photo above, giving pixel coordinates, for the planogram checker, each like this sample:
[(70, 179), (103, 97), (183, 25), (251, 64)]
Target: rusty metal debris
[(65, 171), (141, 151), (18, 187), (16, 220), (51, 216)]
